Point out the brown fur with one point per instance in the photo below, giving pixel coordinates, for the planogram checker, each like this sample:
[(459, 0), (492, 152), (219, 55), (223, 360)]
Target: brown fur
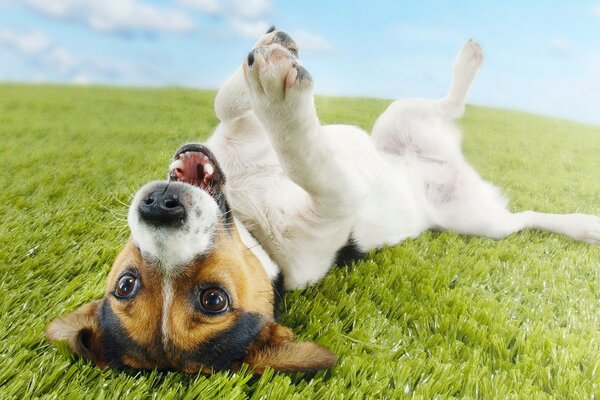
[(230, 265), (80, 330), (140, 317), (277, 349)]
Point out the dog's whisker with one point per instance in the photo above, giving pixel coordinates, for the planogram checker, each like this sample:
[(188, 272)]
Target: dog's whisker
[(114, 196), (112, 226), (115, 214)]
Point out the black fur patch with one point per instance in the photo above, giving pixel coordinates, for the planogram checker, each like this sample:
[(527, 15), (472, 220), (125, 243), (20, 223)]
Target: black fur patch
[(116, 343), (224, 206), (278, 292), (218, 353), (349, 253), (229, 346), (303, 74), (286, 41), (283, 37)]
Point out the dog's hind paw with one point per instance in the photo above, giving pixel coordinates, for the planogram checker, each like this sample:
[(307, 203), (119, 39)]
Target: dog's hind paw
[(586, 228), (594, 234), (470, 58)]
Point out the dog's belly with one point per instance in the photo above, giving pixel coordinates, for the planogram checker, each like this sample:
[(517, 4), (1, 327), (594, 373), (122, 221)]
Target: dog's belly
[(390, 217), (282, 216), (394, 206)]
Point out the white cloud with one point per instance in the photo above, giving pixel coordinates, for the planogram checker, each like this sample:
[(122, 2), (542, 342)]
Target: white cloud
[(596, 10), (311, 43), (39, 78), (248, 18), (245, 17), (428, 34), (81, 79), (39, 48), (250, 29), (32, 43), (116, 15), (63, 60), (560, 45), (235, 9), (206, 6), (250, 8), (591, 62)]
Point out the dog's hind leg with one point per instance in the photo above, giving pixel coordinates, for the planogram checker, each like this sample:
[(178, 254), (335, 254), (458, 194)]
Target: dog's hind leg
[(477, 207), (425, 126), (466, 66), (581, 227)]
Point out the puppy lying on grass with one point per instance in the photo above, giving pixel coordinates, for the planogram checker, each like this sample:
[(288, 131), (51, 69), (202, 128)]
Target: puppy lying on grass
[(272, 200)]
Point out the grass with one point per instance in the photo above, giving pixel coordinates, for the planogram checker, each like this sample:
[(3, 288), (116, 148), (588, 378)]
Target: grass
[(440, 316)]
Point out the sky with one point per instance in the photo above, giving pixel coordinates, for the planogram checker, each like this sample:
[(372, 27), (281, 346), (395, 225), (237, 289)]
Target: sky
[(540, 56)]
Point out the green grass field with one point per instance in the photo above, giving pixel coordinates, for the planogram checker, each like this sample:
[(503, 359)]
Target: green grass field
[(440, 316)]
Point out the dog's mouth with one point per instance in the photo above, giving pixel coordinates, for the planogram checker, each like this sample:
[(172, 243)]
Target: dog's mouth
[(194, 164)]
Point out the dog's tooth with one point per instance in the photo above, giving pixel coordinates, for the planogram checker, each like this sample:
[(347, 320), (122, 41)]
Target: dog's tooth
[(208, 168), (176, 164)]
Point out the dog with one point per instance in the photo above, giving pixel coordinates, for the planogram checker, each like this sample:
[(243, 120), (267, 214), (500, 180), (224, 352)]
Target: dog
[(272, 200)]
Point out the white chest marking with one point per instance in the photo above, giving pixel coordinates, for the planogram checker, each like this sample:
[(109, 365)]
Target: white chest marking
[(254, 246), (166, 308)]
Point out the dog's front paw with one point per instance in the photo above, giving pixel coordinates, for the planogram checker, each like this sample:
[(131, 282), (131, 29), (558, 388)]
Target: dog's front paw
[(274, 75), (282, 38)]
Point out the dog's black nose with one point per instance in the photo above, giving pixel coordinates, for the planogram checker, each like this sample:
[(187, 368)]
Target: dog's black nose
[(162, 207), (251, 58)]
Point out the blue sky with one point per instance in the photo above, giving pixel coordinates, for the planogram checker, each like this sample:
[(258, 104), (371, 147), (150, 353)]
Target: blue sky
[(542, 57)]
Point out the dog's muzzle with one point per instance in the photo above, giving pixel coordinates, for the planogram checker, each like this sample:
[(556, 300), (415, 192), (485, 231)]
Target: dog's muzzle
[(162, 206)]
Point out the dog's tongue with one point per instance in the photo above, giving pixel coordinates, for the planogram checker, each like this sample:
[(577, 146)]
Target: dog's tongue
[(194, 168)]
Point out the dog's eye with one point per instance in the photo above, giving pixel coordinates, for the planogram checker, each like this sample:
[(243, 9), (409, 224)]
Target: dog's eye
[(126, 286), (214, 300)]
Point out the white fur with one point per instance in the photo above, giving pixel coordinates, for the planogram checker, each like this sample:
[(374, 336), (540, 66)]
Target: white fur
[(167, 292), (302, 188), (173, 248), (252, 244)]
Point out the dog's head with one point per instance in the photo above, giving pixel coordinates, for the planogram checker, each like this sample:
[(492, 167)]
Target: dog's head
[(186, 293)]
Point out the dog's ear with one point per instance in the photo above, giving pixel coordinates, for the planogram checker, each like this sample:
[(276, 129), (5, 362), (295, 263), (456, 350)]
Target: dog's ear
[(276, 348), (81, 332)]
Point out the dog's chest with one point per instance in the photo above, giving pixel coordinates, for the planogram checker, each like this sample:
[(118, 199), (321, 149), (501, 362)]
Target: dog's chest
[(259, 252)]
